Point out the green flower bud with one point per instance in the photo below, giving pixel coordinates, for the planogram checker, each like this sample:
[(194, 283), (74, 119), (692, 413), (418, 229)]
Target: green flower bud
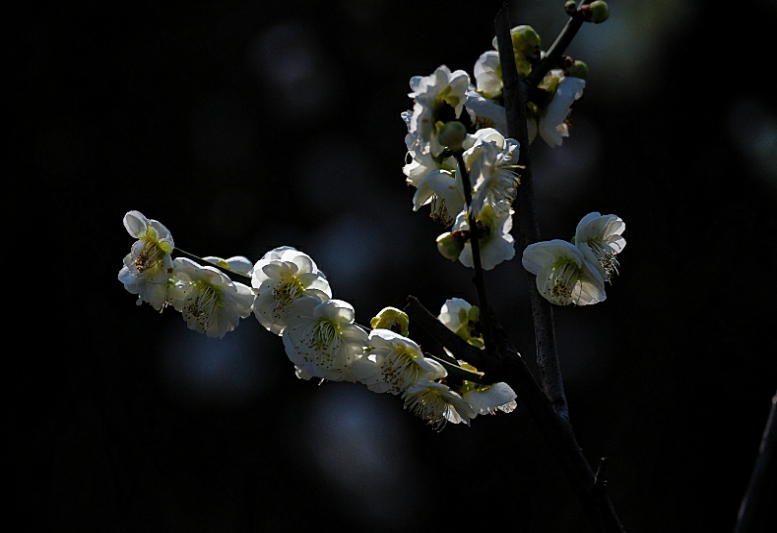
[(452, 134), (596, 12), (450, 246), (576, 69), (526, 48), (393, 319), (570, 6)]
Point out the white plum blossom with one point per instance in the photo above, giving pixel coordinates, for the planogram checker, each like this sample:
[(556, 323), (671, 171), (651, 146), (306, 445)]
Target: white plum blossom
[(436, 404), (496, 243), (281, 276), (486, 113), (550, 121), (488, 74), (209, 300), (491, 161), (463, 319), (487, 399), (322, 340), (430, 94), (393, 363), (419, 162), (237, 264), (602, 235), (565, 273), (148, 267), (443, 191)]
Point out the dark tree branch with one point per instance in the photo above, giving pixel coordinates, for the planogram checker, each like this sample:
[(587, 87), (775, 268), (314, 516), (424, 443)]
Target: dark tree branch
[(515, 98), (760, 496)]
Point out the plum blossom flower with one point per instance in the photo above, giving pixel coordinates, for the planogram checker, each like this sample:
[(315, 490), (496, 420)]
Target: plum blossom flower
[(463, 319), (550, 120), (601, 234), (443, 191), (393, 363), (565, 273), (237, 264), (488, 74), (281, 276), (493, 232), (431, 95), (322, 340), (148, 267), (418, 162), (486, 113), (208, 299), (436, 404), (487, 399), (491, 161)]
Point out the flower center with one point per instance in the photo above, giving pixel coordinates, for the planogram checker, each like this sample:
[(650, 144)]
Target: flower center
[(430, 406), (324, 342), (285, 292), (564, 275), (201, 303), (151, 255), (399, 370), (606, 258)]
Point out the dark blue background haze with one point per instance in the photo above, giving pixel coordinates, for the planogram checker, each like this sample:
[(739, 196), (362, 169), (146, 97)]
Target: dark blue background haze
[(246, 125)]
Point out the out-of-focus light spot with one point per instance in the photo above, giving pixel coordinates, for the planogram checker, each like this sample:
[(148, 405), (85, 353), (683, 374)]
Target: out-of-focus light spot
[(200, 371), (357, 441), (349, 248), (296, 75), (753, 129)]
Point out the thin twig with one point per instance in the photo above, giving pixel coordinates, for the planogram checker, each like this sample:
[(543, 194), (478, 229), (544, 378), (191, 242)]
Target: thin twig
[(515, 97), (553, 55), (760, 496), (474, 242)]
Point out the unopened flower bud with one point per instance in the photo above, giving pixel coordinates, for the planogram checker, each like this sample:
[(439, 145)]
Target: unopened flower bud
[(570, 7), (526, 48), (596, 12), (576, 69), (450, 246), (393, 319), (452, 134)]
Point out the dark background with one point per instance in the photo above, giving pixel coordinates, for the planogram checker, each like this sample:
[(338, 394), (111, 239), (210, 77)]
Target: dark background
[(246, 125)]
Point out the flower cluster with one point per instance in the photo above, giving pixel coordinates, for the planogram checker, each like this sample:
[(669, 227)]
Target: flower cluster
[(450, 113), (209, 300), (550, 104), (292, 298), (575, 272)]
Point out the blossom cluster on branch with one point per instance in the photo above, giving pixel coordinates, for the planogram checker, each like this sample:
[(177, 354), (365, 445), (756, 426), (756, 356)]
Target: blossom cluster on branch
[(465, 170), (292, 298)]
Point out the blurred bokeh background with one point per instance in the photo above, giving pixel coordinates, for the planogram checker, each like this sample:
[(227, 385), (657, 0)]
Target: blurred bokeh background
[(245, 125)]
